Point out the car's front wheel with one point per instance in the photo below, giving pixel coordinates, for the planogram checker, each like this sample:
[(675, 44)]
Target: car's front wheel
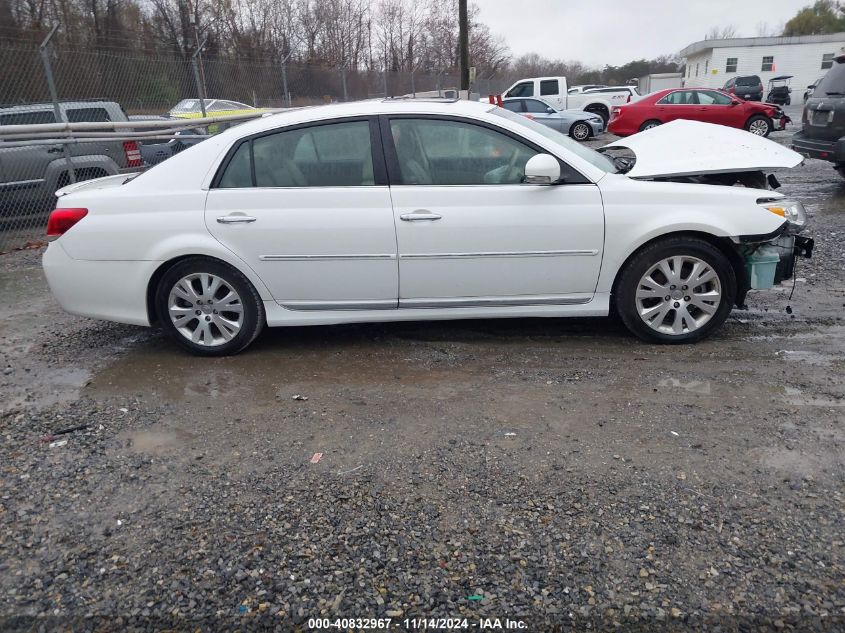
[(209, 307), (676, 290), (760, 125), (580, 131)]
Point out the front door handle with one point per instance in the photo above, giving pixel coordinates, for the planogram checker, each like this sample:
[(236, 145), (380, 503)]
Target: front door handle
[(420, 216), (235, 219)]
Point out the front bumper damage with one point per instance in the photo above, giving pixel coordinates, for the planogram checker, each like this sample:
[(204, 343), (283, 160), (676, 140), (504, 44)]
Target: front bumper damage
[(770, 259)]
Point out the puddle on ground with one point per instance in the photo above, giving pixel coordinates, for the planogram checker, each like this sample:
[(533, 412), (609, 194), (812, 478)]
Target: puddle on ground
[(260, 377), (693, 386), (156, 442), (62, 385), (806, 356), (796, 397)]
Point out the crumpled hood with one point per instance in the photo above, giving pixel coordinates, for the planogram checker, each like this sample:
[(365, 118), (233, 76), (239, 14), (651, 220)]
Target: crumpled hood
[(690, 148)]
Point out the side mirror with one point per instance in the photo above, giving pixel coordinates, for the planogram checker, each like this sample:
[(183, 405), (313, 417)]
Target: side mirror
[(550, 110), (542, 169), (735, 102)]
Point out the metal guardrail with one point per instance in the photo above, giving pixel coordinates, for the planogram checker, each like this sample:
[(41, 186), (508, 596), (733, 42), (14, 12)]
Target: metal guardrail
[(38, 159)]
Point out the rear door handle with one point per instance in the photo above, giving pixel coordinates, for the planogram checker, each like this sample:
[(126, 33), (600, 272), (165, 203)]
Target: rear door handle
[(420, 216), (235, 219)]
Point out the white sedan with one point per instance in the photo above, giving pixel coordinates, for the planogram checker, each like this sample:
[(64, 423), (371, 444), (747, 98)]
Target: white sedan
[(415, 210)]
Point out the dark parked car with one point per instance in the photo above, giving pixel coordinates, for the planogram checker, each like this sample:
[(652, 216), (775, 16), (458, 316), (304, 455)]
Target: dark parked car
[(154, 151), (823, 120), (748, 87)]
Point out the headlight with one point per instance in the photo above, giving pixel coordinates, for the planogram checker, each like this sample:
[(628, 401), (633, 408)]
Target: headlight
[(790, 210)]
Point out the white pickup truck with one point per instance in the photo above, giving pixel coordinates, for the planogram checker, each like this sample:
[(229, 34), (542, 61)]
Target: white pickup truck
[(554, 91)]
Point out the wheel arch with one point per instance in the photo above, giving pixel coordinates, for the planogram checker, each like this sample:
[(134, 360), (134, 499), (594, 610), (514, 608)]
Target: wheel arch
[(724, 244), (598, 106), (159, 272)]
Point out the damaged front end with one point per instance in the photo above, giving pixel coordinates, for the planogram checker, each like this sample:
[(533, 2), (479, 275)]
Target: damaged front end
[(702, 153), (770, 259)]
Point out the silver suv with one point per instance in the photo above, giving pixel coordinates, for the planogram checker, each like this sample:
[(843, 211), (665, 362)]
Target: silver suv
[(30, 175)]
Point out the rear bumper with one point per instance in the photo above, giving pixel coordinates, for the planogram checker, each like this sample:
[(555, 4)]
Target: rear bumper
[(110, 290), (833, 151)]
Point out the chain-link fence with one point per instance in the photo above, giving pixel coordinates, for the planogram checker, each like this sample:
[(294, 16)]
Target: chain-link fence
[(42, 85)]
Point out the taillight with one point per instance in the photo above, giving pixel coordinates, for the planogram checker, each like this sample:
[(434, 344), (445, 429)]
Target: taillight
[(133, 154), (628, 100), (615, 112), (61, 220)]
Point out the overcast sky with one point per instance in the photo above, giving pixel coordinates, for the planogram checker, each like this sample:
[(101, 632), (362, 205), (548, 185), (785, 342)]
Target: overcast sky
[(599, 32)]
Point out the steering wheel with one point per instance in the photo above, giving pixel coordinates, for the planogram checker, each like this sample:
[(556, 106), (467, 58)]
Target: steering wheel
[(509, 174)]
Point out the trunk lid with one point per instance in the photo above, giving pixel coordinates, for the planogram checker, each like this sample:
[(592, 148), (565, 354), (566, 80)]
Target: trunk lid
[(691, 148), (105, 182)]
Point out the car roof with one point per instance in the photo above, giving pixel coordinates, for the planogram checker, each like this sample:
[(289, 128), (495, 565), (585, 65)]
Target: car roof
[(363, 108)]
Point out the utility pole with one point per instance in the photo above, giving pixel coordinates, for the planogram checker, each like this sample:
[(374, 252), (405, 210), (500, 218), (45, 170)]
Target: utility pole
[(463, 25)]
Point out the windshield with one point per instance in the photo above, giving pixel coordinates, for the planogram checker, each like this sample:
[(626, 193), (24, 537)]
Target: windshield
[(753, 80), (190, 105), (833, 83), (590, 155)]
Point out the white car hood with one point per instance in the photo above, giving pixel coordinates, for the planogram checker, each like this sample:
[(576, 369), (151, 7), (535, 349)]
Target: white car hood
[(688, 148)]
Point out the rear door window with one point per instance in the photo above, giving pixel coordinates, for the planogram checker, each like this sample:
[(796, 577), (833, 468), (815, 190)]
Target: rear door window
[(833, 83), (331, 155), (87, 115), (679, 97), (513, 106), (549, 87)]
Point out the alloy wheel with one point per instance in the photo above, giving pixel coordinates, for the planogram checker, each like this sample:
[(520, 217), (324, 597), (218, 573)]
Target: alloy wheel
[(759, 127), (205, 309), (581, 132), (678, 295)]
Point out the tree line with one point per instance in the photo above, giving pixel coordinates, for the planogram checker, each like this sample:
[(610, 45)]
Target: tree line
[(395, 35)]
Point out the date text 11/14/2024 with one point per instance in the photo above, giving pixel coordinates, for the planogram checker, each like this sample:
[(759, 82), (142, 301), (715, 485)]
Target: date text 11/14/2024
[(434, 624)]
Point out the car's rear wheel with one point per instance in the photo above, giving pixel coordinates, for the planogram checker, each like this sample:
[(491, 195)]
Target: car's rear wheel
[(580, 131), (759, 124), (208, 307), (649, 124), (676, 290)]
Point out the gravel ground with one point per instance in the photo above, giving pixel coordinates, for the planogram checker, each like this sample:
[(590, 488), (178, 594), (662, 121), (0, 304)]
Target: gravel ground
[(555, 472)]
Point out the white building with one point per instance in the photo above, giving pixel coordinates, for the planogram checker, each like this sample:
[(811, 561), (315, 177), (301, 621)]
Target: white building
[(710, 63)]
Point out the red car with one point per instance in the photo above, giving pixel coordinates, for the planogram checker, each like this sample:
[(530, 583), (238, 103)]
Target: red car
[(697, 104)]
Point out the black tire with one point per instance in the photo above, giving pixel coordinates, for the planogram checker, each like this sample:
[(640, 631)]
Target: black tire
[(640, 264), (840, 169), (601, 111), (580, 131), (647, 125), (756, 119), (254, 317)]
